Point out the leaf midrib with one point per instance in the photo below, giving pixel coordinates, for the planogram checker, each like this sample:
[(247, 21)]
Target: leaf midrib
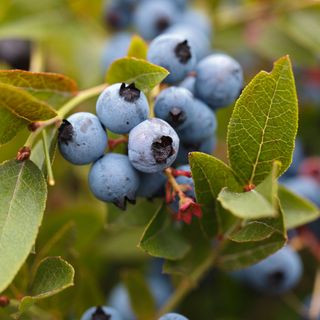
[(263, 132)]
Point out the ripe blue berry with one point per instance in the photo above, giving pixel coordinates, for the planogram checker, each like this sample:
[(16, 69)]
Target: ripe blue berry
[(113, 179), (82, 139), (101, 313), (176, 106), (151, 184), (174, 53), (115, 48), (153, 145), (173, 316), (219, 80), (202, 126), (121, 107), (153, 17), (276, 274), (198, 41)]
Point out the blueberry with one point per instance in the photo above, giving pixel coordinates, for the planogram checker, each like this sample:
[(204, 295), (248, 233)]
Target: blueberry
[(115, 48), (305, 187), (16, 53), (119, 299), (202, 126), (176, 106), (173, 316), (121, 107), (101, 313), (276, 274), (151, 184), (188, 83), (113, 179), (153, 17), (197, 20), (198, 41), (153, 145), (173, 52), (206, 146), (118, 13), (81, 138), (219, 80)]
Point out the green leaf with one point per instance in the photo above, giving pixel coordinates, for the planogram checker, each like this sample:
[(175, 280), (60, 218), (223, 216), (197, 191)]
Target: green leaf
[(210, 175), (144, 74), (162, 238), (253, 242), (23, 193), (137, 215), (260, 202), (141, 299), (10, 125), (53, 88), (256, 134), (246, 205), (297, 210), (252, 231), (52, 276), (198, 254), (23, 104), (138, 48)]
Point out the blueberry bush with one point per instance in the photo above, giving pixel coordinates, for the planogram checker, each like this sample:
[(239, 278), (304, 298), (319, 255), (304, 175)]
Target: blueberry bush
[(149, 169)]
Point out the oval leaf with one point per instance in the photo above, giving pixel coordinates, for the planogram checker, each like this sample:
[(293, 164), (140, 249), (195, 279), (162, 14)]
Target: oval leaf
[(162, 239), (246, 205), (261, 202), (144, 74), (254, 242), (138, 48), (23, 104), (52, 276), (210, 175), (10, 125), (53, 88), (297, 210), (256, 134), (23, 193)]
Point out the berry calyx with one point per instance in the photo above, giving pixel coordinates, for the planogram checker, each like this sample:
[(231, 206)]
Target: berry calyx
[(130, 93), (183, 51), (66, 132), (99, 314), (162, 149)]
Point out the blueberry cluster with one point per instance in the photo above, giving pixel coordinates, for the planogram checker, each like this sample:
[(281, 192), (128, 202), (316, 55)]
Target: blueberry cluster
[(184, 119)]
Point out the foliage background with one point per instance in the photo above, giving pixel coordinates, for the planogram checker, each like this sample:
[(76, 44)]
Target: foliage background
[(73, 35)]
